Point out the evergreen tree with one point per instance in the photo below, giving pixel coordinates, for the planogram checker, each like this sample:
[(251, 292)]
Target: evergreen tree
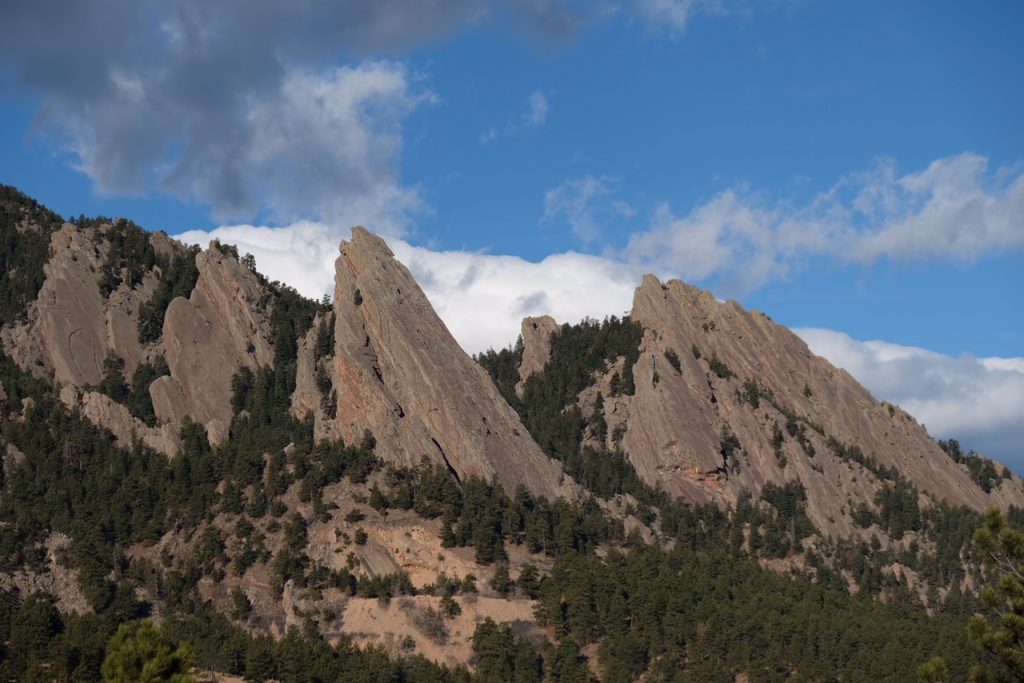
[(1000, 632), (139, 653)]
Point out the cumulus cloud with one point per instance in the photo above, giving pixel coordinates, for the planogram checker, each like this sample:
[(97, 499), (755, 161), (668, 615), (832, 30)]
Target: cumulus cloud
[(956, 209), (481, 297), (191, 98), (979, 401), (301, 254), (239, 104)]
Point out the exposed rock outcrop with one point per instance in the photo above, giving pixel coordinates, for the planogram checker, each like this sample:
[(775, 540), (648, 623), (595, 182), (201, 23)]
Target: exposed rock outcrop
[(53, 576), (399, 373), (307, 399), (105, 412), (752, 377), (73, 328), (536, 333), (223, 326)]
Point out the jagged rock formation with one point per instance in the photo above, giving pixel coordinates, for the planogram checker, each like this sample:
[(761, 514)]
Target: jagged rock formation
[(536, 335), (308, 398), (709, 402), (709, 372), (223, 326), (399, 373), (72, 328)]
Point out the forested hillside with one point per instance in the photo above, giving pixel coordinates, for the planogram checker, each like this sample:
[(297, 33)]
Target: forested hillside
[(268, 546)]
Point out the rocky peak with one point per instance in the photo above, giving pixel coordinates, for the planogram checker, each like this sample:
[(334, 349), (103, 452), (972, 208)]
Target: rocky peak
[(398, 372), (536, 334), (223, 326), (727, 400)]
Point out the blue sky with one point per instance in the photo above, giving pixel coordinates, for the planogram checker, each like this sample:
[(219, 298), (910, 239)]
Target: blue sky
[(856, 170)]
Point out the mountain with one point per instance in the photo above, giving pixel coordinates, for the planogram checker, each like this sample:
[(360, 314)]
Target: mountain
[(711, 372), (185, 439)]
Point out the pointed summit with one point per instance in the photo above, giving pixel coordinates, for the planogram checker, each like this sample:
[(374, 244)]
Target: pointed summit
[(398, 372)]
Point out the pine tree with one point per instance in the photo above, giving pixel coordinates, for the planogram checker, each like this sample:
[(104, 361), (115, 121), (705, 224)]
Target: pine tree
[(1001, 632), (140, 654)]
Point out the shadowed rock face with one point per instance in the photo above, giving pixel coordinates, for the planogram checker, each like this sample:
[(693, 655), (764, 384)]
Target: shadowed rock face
[(677, 418), (399, 372)]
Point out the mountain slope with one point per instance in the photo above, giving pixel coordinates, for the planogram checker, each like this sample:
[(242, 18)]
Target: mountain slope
[(723, 402), (263, 474)]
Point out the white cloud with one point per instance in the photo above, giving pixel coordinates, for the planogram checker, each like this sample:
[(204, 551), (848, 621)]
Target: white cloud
[(979, 401), (952, 209), (301, 255), (536, 109), (481, 297), (955, 209), (332, 141), (579, 202)]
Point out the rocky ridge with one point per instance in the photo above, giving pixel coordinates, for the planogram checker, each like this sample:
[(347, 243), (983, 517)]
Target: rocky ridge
[(722, 402), (727, 401), (398, 372), (222, 327)]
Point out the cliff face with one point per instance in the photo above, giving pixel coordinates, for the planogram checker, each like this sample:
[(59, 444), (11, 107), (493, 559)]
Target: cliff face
[(399, 373), (727, 401), (394, 369), (222, 327), (71, 327), (536, 334)]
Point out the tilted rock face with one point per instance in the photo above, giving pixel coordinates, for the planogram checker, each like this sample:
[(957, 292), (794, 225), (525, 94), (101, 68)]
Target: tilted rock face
[(399, 372), (69, 327), (536, 333), (307, 399), (223, 326), (677, 418), (72, 327)]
